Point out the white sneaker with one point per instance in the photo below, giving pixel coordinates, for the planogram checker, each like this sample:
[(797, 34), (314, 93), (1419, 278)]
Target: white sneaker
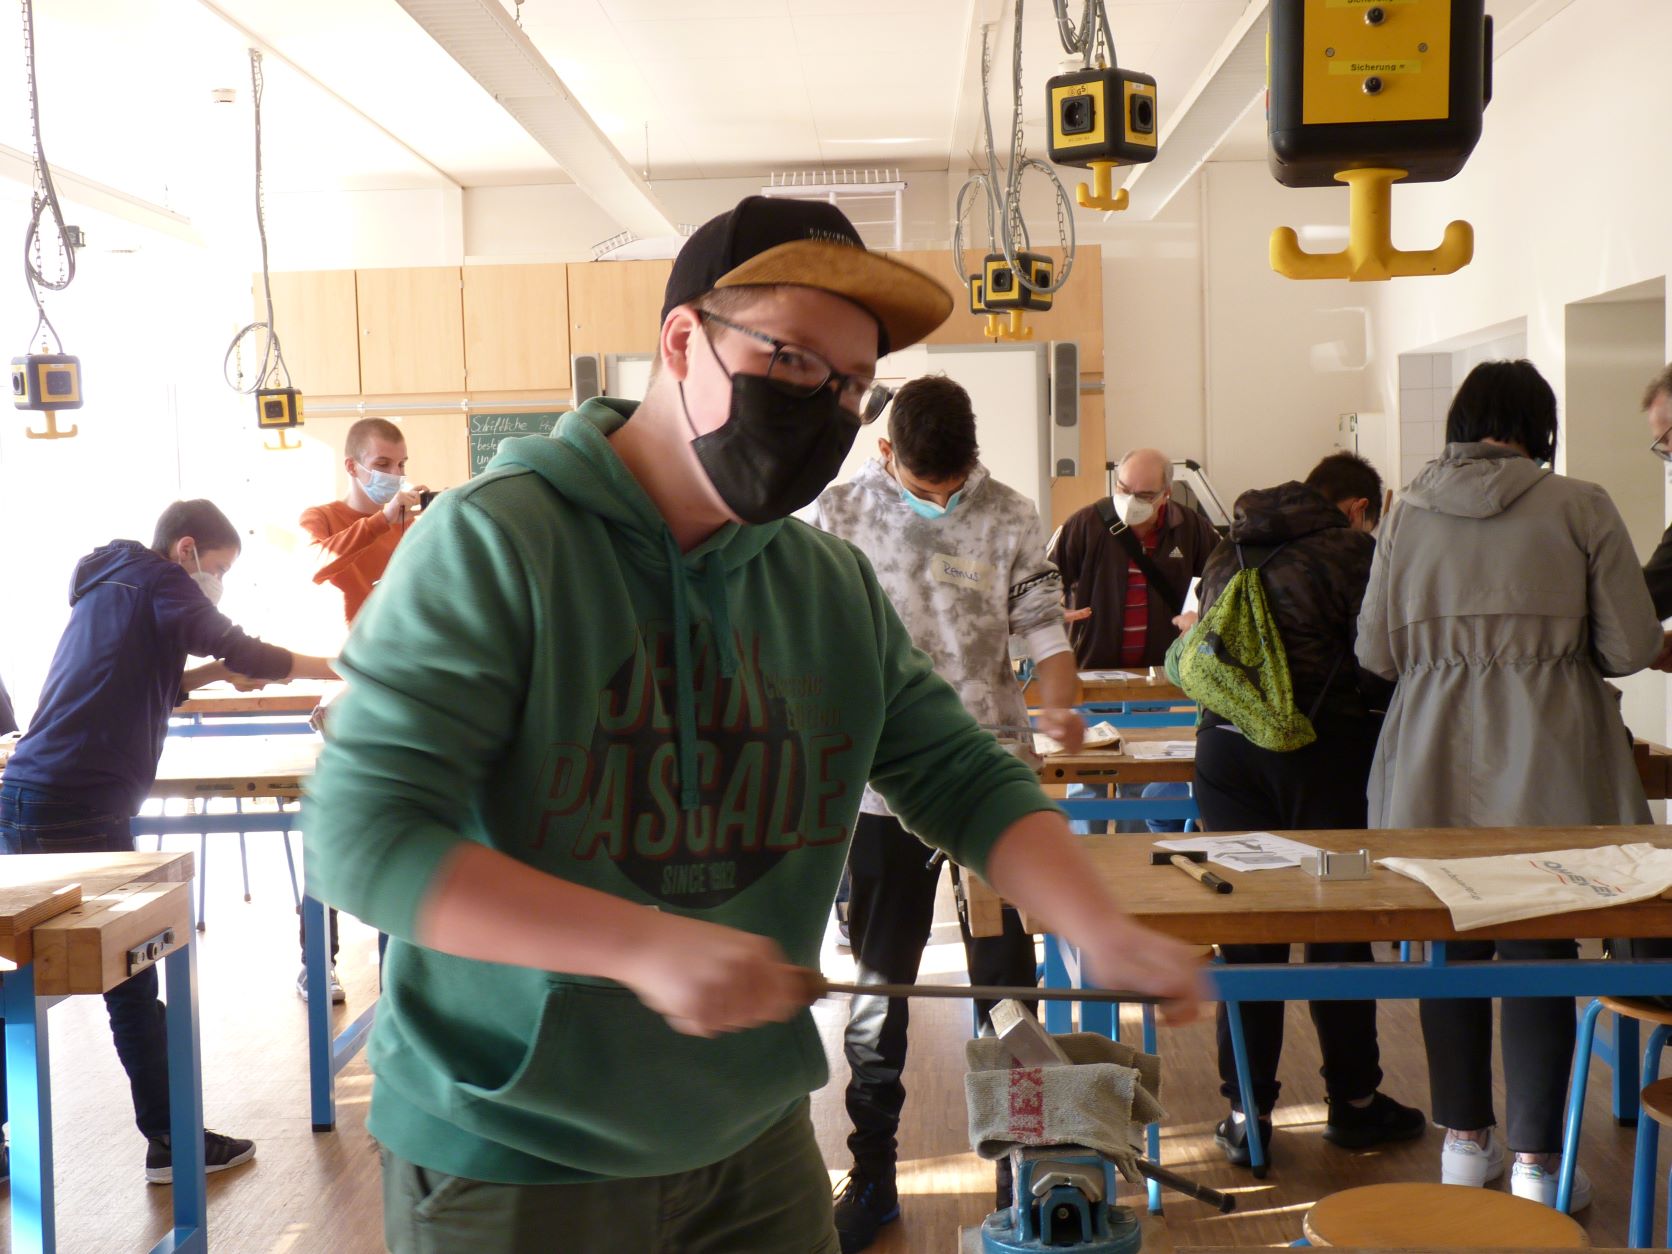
[(1533, 1182), (1463, 1162), (338, 996)]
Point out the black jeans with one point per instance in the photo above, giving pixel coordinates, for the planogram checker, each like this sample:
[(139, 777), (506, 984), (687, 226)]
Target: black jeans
[(1538, 1035), (331, 924), (891, 909), (1241, 787), (35, 822)]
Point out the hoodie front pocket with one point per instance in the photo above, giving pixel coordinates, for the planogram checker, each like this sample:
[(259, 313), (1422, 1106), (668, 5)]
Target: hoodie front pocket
[(608, 1088)]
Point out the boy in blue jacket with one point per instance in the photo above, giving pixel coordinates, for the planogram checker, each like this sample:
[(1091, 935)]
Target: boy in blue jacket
[(90, 755)]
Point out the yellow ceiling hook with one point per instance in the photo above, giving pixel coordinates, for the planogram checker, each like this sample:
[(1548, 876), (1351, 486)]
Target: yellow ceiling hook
[(1102, 194), (1006, 329), (52, 432), (284, 445), (1370, 254)]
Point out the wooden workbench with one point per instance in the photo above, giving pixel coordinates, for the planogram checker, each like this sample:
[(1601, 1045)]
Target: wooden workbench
[(1101, 766), (1143, 687), (1291, 906), (236, 766)]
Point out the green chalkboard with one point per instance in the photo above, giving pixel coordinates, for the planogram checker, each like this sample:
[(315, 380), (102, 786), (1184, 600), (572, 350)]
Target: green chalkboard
[(487, 430)]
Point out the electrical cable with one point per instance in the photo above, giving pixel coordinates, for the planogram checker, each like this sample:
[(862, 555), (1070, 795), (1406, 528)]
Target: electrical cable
[(272, 358), (45, 198)]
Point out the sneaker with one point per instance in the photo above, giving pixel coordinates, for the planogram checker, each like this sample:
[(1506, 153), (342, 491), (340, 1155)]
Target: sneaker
[(1360, 1127), (864, 1203), (338, 997), (1531, 1181), (1463, 1162), (219, 1153), (1232, 1136)]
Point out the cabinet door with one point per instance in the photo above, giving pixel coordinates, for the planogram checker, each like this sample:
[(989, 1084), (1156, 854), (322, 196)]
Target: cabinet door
[(516, 328), (616, 306), (411, 331), (314, 311)]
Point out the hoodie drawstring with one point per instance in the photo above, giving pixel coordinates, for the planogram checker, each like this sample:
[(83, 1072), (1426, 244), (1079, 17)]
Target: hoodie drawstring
[(685, 701)]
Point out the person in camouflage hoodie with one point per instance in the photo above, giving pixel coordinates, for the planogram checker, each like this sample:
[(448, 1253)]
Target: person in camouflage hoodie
[(1316, 535)]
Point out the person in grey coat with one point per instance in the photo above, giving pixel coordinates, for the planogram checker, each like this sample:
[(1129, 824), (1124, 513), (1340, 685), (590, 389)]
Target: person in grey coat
[(1500, 597)]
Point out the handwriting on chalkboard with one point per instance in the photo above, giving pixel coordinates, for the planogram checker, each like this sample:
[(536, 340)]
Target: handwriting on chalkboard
[(488, 431)]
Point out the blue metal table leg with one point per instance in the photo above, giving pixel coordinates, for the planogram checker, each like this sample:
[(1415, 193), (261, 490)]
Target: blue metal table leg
[(29, 1101), (1102, 1017), (1152, 1134), (1057, 1013), (1643, 1167), (1245, 1086), (321, 1078), (1627, 1081), (1576, 1104), (185, 1101)]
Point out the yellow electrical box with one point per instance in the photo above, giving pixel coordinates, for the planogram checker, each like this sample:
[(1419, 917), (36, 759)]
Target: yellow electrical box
[(1002, 290), (1360, 84), (278, 408), (46, 381), (977, 286), (1105, 115)]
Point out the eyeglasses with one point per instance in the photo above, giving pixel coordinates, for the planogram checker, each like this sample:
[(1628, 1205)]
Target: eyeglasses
[(1661, 448), (1149, 497), (802, 372)]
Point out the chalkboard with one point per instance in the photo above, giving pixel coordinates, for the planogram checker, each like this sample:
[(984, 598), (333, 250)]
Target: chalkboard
[(487, 430)]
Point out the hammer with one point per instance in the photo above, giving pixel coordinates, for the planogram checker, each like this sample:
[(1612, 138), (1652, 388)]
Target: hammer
[(1187, 860)]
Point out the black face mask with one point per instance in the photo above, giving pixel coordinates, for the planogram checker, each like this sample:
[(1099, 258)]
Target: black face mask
[(777, 451)]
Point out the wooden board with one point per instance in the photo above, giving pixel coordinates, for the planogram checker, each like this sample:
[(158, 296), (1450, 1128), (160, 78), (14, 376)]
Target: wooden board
[(411, 330), (1290, 906), (224, 699), (1099, 766), (85, 950), (616, 306), (1420, 1215), (236, 766), (318, 324)]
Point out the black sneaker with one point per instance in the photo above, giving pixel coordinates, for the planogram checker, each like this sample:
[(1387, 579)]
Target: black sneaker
[(1232, 1136), (1355, 1127), (219, 1153), (864, 1203)]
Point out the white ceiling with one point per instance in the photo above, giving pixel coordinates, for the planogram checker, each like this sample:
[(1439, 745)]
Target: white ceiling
[(358, 96)]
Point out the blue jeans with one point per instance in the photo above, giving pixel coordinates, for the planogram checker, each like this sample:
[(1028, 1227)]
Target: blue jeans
[(1165, 792), (1100, 792), (36, 822), (1088, 827)]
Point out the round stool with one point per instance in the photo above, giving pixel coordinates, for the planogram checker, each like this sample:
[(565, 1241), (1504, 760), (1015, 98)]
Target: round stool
[(1432, 1216)]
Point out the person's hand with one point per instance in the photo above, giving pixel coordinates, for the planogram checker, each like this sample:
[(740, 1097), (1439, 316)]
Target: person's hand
[(247, 683), (401, 506), (316, 720), (705, 979), (1066, 727), (1185, 621), (1663, 659), (1077, 616), (1126, 955)]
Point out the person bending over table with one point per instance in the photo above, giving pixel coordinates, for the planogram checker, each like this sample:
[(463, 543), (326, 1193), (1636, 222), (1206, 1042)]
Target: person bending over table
[(1500, 596), (89, 758)]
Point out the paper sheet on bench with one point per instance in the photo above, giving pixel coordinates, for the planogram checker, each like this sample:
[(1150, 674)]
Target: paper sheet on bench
[(1251, 851), (1111, 677), (1149, 750), (1480, 892), (1098, 736)]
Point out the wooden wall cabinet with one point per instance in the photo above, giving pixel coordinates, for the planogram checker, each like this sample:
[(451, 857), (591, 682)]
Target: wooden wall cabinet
[(411, 330), (616, 306), (516, 328), (315, 312)]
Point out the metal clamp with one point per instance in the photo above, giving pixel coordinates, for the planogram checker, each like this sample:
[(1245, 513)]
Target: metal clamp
[(1337, 864), (147, 952)]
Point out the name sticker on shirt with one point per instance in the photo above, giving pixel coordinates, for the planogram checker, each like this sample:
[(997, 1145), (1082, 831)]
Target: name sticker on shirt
[(964, 572)]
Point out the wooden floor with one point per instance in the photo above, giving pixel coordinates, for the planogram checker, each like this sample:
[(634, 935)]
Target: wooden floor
[(319, 1194)]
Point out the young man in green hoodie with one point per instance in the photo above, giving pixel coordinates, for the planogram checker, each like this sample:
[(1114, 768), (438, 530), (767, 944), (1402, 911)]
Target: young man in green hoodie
[(608, 724)]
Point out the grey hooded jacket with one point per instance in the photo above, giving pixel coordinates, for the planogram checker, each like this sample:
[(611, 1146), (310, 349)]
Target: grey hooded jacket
[(1500, 596)]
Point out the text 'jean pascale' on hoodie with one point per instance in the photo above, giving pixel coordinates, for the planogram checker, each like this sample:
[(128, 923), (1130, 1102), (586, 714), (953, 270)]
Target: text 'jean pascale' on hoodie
[(135, 618), (543, 672)]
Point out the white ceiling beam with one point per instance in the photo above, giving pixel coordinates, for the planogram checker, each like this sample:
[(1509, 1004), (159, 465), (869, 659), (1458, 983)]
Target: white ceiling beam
[(1234, 78), (483, 38), (19, 167), (268, 50)]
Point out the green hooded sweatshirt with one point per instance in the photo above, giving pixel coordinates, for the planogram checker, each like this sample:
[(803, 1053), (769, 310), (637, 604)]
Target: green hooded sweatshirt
[(543, 672)]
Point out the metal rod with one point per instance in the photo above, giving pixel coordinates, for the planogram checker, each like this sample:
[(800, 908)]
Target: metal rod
[(1190, 1188), (990, 992)]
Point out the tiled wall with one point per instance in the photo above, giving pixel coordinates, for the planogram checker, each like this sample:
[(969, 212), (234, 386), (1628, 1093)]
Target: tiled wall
[(1425, 391)]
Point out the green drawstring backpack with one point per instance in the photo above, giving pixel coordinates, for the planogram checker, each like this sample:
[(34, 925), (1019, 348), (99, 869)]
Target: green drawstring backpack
[(1232, 662)]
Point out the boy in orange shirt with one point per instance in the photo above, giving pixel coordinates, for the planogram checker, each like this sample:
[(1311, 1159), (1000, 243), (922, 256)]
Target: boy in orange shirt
[(356, 536)]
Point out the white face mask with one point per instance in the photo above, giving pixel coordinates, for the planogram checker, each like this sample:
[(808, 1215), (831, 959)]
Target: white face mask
[(1133, 511), (208, 581), (380, 487)]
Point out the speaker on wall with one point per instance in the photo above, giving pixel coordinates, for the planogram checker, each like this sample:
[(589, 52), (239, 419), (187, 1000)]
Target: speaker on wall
[(1064, 358), (588, 373)]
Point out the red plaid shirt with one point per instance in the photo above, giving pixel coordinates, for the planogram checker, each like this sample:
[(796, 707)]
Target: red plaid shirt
[(1135, 625)]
